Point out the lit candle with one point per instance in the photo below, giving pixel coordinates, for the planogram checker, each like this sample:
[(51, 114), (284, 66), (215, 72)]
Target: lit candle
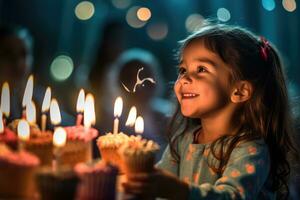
[(55, 113), (1, 123), (131, 117), (45, 108), (28, 93), (80, 107), (23, 133), (139, 125), (31, 113), (89, 118), (5, 101), (59, 141), (117, 113)]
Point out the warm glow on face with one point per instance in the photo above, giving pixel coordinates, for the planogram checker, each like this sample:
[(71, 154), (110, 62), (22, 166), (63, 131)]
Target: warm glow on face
[(89, 111), (80, 101), (139, 125), (5, 100), (143, 14), (59, 137), (131, 116), (31, 113), (118, 107), (28, 91), (1, 123), (55, 112), (46, 101), (23, 130)]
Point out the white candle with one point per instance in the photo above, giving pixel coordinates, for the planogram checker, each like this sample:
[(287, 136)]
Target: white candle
[(80, 107), (45, 108), (23, 133), (139, 125), (5, 101), (59, 141), (117, 113)]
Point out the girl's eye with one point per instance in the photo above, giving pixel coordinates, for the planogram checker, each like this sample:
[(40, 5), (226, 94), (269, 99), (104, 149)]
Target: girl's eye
[(181, 71), (201, 69)]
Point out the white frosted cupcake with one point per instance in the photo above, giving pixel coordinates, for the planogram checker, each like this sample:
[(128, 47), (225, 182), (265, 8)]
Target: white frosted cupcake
[(138, 155), (109, 145)]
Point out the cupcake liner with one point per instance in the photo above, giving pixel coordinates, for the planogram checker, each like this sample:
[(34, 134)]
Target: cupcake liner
[(43, 151), (57, 186), (17, 182), (142, 162)]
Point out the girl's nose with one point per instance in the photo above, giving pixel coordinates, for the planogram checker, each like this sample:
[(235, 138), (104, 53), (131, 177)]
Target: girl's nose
[(186, 79)]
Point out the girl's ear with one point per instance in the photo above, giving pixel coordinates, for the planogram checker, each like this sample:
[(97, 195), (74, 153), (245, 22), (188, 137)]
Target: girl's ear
[(241, 92)]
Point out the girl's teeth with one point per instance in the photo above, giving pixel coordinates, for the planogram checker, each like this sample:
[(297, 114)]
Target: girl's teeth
[(189, 95)]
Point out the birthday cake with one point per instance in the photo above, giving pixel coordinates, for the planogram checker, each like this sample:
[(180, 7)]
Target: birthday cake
[(17, 171), (98, 181), (109, 145), (79, 145), (138, 155), (39, 143)]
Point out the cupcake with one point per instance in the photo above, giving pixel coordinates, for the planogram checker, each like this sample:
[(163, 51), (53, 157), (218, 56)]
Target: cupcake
[(17, 171), (39, 143), (98, 181), (138, 155), (79, 145), (109, 145), (60, 184), (9, 138)]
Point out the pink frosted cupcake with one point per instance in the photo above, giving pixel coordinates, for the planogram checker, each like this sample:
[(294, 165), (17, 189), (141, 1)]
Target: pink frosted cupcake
[(9, 138), (109, 145), (79, 145), (17, 171), (98, 181), (138, 155)]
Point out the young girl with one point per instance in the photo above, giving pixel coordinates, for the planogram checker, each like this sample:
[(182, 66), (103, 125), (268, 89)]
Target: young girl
[(231, 137)]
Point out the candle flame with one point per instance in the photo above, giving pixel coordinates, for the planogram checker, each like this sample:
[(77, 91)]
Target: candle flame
[(89, 111), (28, 91), (47, 99), (55, 112), (5, 100), (59, 137), (31, 113), (23, 130), (139, 125), (118, 107), (80, 101), (131, 116), (1, 123)]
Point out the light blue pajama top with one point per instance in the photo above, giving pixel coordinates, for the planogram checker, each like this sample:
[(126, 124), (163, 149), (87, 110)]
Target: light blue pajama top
[(246, 175)]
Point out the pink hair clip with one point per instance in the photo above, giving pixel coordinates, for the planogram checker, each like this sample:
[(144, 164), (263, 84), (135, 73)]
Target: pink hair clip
[(264, 48)]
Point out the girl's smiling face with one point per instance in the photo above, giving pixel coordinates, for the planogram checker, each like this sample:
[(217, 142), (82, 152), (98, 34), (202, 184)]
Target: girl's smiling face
[(202, 87)]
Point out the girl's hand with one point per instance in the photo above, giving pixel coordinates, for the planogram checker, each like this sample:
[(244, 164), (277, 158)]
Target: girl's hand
[(159, 183)]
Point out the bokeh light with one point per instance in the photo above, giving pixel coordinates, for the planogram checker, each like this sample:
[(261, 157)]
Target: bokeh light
[(132, 19), (143, 14), (193, 22), (61, 68), (157, 31), (223, 14), (289, 5), (121, 4), (269, 5), (84, 10)]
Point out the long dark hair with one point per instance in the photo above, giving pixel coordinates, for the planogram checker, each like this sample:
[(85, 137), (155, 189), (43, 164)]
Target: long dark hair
[(265, 115)]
